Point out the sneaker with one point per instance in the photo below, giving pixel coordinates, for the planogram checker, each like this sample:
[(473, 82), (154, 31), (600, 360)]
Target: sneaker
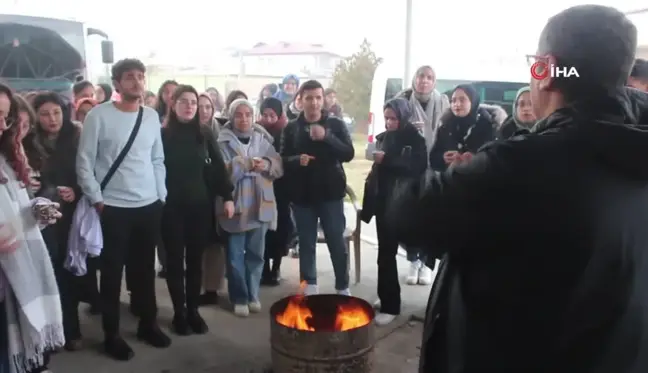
[(311, 289), (425, 275), (255, 307), (241, 310), (413, 273), (376, 304), (154, 336), (196, 323), (346, 292), (383, 319), (118, 349)]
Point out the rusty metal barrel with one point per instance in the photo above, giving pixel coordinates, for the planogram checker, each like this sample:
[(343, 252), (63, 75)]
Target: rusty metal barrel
[(303, 351)]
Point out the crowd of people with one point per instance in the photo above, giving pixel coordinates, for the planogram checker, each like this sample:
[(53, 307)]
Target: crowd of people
[(217, 187), (220, 188)]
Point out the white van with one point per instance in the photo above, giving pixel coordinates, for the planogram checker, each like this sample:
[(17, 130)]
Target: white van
[(496, 87)]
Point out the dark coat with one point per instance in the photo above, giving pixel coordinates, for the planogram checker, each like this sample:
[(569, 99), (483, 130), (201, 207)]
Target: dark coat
[(544, 243), (455, 134), (509, 129), (277, 241), (323, 180), (399, 165), (57, 167)]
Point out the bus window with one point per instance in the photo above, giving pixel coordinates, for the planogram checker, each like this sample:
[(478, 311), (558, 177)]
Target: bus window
[(392, 88)]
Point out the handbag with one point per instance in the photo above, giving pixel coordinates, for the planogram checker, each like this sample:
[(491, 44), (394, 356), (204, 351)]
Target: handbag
[(122, 154)]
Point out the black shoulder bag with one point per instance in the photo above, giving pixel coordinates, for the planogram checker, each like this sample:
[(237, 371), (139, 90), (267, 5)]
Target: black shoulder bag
[(122, 154)]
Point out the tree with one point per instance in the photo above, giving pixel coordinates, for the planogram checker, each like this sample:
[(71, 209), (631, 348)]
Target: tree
[(352, 82)]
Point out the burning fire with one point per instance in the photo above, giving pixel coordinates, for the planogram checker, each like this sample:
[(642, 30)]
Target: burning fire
[(298, 315)]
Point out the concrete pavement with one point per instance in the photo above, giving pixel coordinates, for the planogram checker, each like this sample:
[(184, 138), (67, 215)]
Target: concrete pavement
[(242, 345)]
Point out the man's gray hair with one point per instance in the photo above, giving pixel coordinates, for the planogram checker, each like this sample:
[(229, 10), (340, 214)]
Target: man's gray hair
[(599, 42)]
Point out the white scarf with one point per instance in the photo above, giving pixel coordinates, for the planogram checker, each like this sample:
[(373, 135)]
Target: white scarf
[(431, 116), (32, 303)]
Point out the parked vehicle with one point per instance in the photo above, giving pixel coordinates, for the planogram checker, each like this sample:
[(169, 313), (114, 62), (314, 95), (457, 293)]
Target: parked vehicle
[(39, 53)]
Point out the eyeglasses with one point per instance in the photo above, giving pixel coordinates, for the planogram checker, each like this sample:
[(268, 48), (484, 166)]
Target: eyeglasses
[(8, 122), (532, 58)]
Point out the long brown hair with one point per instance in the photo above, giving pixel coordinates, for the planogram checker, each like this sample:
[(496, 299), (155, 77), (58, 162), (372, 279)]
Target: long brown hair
[(10, 144)]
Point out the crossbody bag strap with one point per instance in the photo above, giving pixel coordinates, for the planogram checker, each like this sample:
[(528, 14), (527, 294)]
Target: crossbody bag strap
[(122, 154)]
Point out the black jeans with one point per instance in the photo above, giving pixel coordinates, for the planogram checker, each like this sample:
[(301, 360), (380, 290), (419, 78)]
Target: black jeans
[(185, 234), (388, 285), (72, 289), (129, 233)]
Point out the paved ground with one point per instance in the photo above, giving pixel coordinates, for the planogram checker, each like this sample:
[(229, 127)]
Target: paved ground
[(242, 345)]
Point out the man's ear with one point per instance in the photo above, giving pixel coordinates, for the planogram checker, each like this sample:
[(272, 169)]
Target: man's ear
[(549, 82)]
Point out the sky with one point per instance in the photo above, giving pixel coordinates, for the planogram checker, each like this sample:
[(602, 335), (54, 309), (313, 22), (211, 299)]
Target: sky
[(441, 29)]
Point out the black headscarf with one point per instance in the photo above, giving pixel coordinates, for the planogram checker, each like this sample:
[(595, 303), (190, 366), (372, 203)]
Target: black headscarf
[(274, 104), (475, 100)]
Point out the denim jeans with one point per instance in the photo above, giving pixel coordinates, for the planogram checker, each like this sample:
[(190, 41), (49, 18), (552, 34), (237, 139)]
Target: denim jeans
[(331, 215), (245, 264)]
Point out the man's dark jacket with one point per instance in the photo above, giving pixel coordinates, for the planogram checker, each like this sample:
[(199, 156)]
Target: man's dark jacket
[(323, 180), (545, 244)]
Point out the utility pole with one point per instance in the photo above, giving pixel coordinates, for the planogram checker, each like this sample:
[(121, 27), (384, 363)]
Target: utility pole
[(408, 43)]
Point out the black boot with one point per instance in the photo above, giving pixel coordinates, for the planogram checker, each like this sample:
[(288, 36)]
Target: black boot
[(196, 323), (266, 276), (118, 349), (153, 335), (208, 298), (179, 323), (275, 273)]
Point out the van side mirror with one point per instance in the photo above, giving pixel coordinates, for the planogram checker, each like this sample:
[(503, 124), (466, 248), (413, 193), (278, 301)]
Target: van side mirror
[(107, 54)]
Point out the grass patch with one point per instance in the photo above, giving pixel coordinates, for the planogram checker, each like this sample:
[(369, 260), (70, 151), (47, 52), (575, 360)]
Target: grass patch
[(357, 170)]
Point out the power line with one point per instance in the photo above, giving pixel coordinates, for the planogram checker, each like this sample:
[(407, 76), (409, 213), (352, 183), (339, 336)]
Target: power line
[(637, 11)]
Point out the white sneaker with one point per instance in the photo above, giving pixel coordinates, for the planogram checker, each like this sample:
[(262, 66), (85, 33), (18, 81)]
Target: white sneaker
[(413, 273), (377, 304), (241, 310), (255, 307), (311, 290), (346, 292), (425, 275), (382, 319)]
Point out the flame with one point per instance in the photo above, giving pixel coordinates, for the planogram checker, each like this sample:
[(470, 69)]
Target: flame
[(297, 315)]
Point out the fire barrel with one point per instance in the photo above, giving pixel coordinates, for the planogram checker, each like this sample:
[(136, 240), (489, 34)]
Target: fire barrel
[(325, 333)]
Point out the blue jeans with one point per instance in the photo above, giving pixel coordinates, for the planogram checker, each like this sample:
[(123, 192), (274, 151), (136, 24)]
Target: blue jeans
[(245, 265), (331, 215)]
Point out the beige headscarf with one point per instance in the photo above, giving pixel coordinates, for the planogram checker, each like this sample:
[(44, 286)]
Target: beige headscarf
[(431, 115)]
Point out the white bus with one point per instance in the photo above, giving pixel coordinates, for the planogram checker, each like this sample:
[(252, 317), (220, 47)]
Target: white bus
[(38, 53)]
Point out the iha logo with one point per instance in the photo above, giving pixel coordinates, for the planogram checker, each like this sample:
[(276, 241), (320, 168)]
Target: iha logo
[(541, 70)]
